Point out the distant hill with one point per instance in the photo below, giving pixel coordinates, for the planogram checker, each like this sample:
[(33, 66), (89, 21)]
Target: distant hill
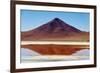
[(55, 29)]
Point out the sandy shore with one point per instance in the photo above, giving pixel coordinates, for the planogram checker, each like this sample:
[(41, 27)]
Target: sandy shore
[(54, 42)]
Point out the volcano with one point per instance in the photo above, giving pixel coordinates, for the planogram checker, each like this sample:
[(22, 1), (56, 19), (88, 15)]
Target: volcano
[(55, 29)]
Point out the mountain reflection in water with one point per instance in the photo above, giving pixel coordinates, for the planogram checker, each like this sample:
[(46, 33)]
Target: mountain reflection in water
[(29, 56)]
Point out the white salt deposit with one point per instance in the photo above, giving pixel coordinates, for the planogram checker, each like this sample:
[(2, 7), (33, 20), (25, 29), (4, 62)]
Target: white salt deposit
[(27, 52), (84, 52)]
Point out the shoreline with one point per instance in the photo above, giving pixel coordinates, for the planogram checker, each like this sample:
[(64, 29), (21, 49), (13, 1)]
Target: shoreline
[(54, 42)]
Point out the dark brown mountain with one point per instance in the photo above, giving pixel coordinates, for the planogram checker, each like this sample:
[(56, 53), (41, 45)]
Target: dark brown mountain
[(56, 29)]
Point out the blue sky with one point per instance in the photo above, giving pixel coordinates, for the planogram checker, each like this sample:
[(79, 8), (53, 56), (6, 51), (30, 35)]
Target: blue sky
[(31, 19)]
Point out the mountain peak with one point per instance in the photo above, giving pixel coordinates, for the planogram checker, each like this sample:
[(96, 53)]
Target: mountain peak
[(56, 19), (55, 23), (58, 25)]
